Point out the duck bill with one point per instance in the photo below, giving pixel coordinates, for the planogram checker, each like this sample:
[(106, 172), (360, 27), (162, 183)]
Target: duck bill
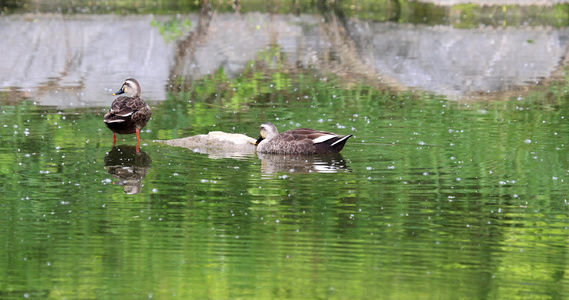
[(259, 140), (121, 91)]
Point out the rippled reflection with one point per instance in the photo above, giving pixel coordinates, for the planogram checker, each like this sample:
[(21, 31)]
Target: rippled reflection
[(321, 163), (129, 167)]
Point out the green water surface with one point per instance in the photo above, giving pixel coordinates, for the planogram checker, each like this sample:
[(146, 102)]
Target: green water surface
[(431, 198)]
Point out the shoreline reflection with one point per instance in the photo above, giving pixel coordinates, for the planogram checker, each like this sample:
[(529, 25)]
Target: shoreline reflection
[(318, 163), (129, 167)]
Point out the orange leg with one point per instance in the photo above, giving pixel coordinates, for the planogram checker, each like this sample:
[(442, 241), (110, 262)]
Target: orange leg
[(114, 139), (137, 141)]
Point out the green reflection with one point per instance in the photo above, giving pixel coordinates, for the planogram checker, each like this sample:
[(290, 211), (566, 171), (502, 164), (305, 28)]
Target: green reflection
[(439, 199)]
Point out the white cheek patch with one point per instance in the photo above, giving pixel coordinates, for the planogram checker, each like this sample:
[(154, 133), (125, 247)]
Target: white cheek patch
[(322, 139), (114, 121), (128, 84)]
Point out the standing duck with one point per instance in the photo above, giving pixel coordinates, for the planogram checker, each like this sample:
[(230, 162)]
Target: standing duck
[(299, 141), (128, 114)]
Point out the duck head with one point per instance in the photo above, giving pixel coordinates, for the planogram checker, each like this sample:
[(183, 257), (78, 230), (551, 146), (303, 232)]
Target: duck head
[(129, 86), (268, 130)]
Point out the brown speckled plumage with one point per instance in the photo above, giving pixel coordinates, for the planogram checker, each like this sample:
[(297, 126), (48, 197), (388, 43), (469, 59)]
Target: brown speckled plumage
[(299, 141), (128, 114)]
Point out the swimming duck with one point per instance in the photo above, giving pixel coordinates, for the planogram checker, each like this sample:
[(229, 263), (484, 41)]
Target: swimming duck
[(128, 114), (299, 141)]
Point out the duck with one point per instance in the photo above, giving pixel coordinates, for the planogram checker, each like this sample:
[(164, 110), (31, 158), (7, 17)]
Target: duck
[(128, 115), (298, 141)]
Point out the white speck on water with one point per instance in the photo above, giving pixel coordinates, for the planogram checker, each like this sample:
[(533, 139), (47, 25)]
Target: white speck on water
[(527, 141)]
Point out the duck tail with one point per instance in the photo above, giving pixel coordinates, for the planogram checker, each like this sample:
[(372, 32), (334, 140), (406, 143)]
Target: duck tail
[(341, 141)]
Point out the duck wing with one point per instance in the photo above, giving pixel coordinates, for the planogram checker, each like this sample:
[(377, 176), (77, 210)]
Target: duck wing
[(316, 141), (123, 108), (307, 135)]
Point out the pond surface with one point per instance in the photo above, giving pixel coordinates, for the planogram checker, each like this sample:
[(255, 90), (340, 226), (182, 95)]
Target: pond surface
[(460, 193)]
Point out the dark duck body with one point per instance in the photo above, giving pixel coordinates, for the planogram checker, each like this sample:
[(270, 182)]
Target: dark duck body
[(299, 141), (128, 114)]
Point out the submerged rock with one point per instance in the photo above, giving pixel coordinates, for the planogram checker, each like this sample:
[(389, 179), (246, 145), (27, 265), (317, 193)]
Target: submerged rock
[(217, 144)]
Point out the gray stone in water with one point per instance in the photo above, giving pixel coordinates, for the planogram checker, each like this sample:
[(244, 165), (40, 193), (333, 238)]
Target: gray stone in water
[(217, 144)]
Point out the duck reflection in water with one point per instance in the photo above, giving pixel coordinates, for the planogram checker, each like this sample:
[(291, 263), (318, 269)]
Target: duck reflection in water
[(129, 166), (316, 163)]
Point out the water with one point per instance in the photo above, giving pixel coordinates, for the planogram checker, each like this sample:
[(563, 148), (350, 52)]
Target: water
[(437, 196)]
